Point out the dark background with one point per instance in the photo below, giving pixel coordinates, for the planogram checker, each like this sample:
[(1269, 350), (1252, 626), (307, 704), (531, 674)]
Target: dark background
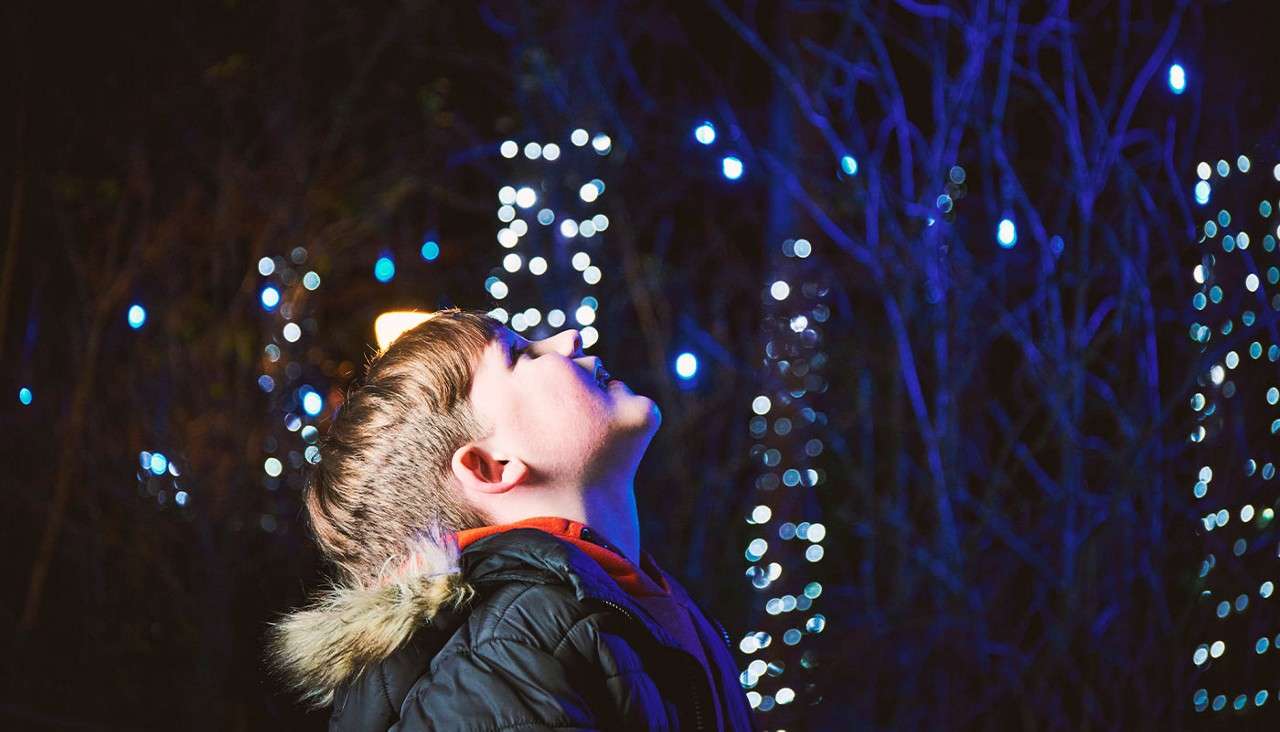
[(1012, 541)]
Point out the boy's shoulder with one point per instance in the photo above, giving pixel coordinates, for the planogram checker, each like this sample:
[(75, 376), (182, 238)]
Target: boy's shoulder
[(535, 611)]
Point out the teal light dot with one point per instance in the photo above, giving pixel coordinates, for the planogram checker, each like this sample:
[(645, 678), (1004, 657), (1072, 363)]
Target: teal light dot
[(1275, 426), (1219, 702), (1215, 294), (1255, 350), (24, 396), (1240, 701), (1262, 645), (1226, 328), (1233, 359), (1199, 301), (1228, 243), (1273, 352), (1273, 395), (1247, 317), (1269, 243), (384, 269), (1268, 471), (1260, 698), (1266, 589), (137, 316), (1224, 609), (1224, 218), (1210, 229), (1264, 208), (1250, 466), (1200, 489)]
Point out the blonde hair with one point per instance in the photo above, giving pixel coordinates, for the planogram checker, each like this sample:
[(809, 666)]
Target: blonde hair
[(384, 476)]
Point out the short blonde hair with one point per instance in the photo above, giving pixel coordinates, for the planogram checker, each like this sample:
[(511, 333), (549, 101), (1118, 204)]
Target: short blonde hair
[(384, 475)]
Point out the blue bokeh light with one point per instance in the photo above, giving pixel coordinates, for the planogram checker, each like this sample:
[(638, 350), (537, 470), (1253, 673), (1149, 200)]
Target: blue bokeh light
[(159, 463), (137, 316), (731, 166), (1202, 192), (1007, 234), (24, 396), (686, 365), (270, 297), (430, 250), (849, 165), (384, 269), (1177, 79), (312, 402), (705, 133)]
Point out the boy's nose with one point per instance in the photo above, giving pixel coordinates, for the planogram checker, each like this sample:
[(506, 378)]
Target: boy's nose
[(569, 339)]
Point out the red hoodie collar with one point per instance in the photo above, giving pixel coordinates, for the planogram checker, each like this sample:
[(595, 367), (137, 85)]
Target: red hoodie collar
[(650, 581)]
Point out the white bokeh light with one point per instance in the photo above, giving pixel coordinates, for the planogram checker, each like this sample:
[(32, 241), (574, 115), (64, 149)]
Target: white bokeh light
[(526, 197)]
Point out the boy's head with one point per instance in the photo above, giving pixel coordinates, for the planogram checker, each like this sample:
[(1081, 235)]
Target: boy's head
[(448, 431)]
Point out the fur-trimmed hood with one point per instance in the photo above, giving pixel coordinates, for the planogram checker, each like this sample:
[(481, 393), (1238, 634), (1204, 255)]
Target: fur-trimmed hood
[(436, 620), (349, 628)]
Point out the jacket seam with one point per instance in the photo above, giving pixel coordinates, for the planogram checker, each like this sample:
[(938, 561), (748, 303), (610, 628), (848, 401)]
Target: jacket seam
[(556, 651), (502, 615)]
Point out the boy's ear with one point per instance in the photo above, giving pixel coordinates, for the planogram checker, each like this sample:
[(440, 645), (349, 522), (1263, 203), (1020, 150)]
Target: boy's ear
[(479, 470)]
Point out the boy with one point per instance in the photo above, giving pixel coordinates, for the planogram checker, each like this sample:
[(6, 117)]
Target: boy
[(476, 495)]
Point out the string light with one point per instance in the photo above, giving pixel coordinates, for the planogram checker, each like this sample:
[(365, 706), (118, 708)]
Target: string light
[(788, 439), (384, 270), (686, 366), (389, 326), (1177, 78), (270, 297), (705, 133), (1006, 234), (731, 167), (312, 402), (554, 206), (137, 316), (1232, 512)]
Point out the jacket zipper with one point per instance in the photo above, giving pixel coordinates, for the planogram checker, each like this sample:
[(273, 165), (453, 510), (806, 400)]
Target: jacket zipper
[(697, 698), (724, 633)]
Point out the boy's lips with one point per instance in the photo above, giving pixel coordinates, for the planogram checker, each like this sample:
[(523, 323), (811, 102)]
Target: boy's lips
[(603, 377)]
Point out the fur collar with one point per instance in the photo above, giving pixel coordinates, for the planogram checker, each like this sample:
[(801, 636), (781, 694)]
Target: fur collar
[(349, 628)]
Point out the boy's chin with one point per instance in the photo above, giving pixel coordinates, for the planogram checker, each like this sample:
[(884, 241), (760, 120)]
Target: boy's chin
[(640, 414)]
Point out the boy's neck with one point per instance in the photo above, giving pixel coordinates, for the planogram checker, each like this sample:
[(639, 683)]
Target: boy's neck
[(613, 515), (610, 511)]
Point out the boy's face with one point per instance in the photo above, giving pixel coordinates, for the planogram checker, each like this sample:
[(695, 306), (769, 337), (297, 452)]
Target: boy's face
[(548, 409)]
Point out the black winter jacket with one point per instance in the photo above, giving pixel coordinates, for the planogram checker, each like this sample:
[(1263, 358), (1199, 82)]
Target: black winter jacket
[(525, 632)]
